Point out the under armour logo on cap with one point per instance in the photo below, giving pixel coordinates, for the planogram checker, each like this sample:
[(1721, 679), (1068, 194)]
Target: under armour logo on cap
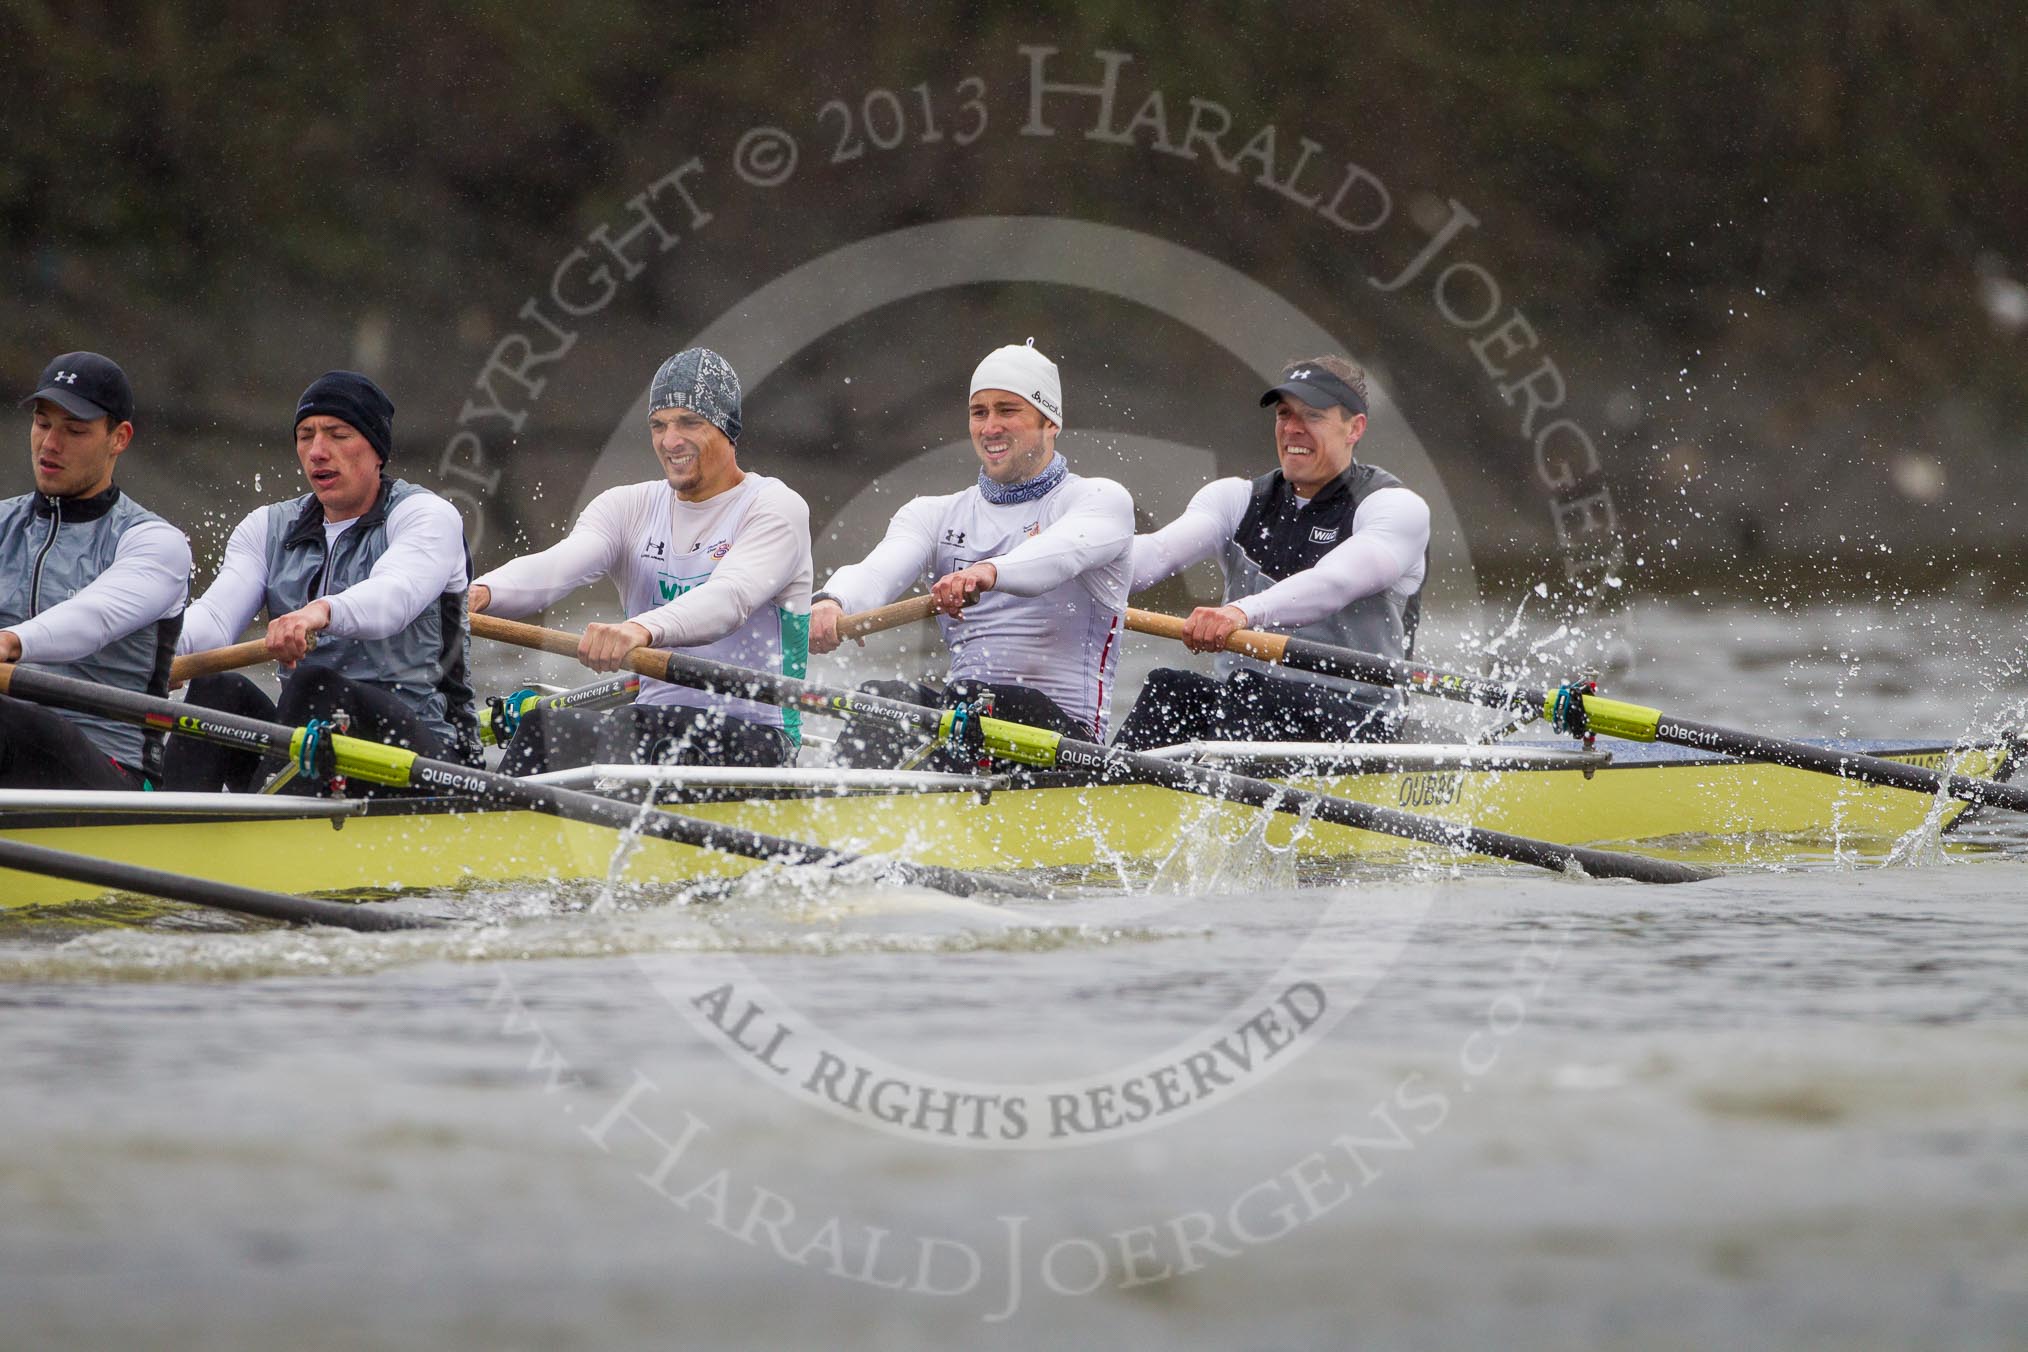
[(86, 385)]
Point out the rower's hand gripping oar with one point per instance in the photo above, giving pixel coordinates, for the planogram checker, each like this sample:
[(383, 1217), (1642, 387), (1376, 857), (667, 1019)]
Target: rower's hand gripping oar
[(212, 661), (1578, 711), (1039, 747), (909, 610), (322, 753)]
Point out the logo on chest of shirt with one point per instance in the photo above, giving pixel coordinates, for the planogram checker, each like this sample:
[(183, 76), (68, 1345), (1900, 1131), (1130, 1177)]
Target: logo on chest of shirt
[(954, 537), (671, 586), (1322, 535), (655, 549)]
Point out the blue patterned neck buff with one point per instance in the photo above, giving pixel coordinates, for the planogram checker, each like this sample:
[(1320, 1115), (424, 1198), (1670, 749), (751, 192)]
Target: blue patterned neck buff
[(1002, 494)]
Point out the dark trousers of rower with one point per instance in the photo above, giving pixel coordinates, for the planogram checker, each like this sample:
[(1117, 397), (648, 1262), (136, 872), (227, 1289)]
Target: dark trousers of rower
[(870, 743), (1187, 706), (641, 734), (41, 749), (309, 692)]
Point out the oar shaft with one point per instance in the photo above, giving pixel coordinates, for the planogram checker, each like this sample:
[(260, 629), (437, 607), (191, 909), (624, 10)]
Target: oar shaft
[(201, 891), (1035, 746), (1301, 654), (1853, 765), (606, 694), (1608, 717)]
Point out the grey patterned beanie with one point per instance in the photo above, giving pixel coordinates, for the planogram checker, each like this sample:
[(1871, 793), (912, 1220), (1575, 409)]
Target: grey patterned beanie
[(703, 382)]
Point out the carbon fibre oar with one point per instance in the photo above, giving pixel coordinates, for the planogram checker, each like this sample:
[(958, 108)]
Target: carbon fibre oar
[(1571, 710), (203, 891), (498, 721), (398, 768), (1039, 747)]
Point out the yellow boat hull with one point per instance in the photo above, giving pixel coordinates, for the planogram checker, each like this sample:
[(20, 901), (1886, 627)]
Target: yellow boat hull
[(1688, 807)]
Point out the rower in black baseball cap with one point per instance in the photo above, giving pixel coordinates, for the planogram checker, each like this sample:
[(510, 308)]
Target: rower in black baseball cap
[(92, 585), (1322, 546), (86, 385)]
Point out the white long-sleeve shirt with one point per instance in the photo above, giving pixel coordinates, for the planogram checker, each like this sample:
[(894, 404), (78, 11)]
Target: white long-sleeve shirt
[(425, 558), (1052, 620), (149, 578), (1390, 535), (727, 578)]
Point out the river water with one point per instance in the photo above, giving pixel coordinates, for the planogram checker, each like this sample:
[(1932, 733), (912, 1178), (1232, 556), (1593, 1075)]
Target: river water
[(1457, 1108)]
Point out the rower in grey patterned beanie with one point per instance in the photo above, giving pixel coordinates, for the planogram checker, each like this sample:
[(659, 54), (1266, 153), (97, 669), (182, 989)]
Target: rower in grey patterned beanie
[(703, 382)]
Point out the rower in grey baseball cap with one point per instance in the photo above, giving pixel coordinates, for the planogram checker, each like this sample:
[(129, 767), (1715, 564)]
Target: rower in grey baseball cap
[(86, 385)]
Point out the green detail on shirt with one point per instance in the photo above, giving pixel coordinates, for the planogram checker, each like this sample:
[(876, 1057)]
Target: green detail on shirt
[(796, 663)]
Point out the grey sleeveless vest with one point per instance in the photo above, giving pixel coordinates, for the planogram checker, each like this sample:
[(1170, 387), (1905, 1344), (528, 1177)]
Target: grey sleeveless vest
[(423, 665), (51, 549), (1280, 535)]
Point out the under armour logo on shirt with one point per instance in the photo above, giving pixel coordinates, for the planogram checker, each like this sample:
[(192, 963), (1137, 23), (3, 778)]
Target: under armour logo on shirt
[(954, 537), (67, 377), (656, 549)]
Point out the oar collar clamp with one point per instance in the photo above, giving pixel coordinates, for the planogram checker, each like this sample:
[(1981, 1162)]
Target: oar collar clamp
[(968, 735), (507, 712), (316, 755), (1566, 710)]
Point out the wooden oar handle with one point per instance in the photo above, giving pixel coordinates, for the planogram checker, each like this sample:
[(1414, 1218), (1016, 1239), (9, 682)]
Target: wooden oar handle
[(911, 611), (1246, 642), (525, 635), (251, 653), (644, 661)]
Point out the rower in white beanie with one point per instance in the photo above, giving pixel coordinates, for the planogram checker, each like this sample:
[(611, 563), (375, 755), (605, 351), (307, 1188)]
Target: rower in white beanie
[(1040, 555)]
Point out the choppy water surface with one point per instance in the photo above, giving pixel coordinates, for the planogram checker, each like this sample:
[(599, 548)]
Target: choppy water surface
[(1488, 1108)]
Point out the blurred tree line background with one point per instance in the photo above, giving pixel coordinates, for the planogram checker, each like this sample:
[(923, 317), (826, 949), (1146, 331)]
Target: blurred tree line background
[(1776, 249)]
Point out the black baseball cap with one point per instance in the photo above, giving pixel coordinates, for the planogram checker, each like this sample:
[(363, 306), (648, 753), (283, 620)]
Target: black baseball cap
[(1317, 387), (86, 385)]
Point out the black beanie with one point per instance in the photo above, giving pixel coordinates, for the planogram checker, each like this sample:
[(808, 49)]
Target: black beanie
[(355, 399)]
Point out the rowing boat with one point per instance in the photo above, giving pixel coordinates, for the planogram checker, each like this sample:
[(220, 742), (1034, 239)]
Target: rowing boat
[(1671, 801)]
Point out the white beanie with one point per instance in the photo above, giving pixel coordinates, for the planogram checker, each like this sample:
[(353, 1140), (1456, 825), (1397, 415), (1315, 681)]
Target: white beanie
[(1024, 371)]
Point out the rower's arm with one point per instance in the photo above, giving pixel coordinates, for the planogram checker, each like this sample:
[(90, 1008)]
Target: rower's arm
[(1211, 519), (1094, 530), (772, 551), (1390, 534), (148, 580), (217, 618), (897, 563), (425, 558), (592, 550)]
